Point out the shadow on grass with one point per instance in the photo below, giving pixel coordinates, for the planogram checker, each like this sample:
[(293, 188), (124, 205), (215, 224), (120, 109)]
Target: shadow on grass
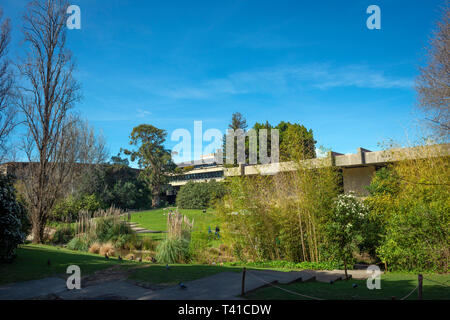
[(32, 263), (396, 285), (159, 275)]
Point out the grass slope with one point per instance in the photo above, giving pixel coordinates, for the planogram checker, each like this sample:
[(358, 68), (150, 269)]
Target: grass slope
[(157, 220), (31, 263)]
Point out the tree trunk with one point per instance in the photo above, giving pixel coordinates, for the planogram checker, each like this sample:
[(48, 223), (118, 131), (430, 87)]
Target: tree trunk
[(155, 200), (38, 232), (345, 268)]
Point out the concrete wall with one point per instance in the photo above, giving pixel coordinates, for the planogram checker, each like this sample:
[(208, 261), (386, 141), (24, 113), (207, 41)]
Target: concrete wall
[(356, 179)]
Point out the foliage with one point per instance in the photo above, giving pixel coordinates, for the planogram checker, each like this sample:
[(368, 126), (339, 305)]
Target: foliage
[(69, 208), (63, 234), (282, 264), (411, 201), (13, 218), (200, 195), (296, 142), (238, 121), (416, 239), (152, 157), (173, 250), (80, 242), (103, 227), (344, 228), (109, 229), (116, 185), (279, 217)]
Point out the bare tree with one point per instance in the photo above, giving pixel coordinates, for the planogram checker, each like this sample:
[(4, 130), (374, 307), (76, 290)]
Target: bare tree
[(433, 83), (91, 147), (7, 110), (86, 148), (50, 91)]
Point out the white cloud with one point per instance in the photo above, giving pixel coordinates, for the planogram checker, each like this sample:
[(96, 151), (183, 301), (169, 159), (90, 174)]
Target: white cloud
[(284, 79), (143, 113)]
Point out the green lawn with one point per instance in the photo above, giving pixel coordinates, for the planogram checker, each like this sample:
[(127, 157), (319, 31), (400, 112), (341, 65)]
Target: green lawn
[(157, 220), (31, 263), (392, 285)]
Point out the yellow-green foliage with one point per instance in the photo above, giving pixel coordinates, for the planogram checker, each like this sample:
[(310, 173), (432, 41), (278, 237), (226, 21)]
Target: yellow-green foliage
[(281, 216), (412, 200)]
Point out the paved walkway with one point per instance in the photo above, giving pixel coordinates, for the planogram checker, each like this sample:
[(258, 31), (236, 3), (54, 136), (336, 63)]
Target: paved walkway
[(221, 286), (135, 227), (32, 289)]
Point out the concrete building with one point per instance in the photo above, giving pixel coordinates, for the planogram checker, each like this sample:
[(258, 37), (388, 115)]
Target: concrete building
[(357, 169), (204, 169)]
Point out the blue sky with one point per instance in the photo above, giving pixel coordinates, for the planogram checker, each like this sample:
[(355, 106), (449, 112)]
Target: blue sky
[(169, 63)]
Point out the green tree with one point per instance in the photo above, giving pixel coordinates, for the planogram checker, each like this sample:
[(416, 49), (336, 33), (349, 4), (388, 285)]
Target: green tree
[(13, 220), (296, 142), (238, 122), (200, 195), (410, 199), (344, 229), (152, 157), (115, 184)]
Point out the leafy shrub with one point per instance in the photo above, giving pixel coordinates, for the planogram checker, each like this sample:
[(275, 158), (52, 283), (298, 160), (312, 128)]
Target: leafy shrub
[(12, 215), (200, 195), (105, 228), (173, 250), (124, 241), (68, 208), (80, 243), (148, 243), (416, 240), (278, 217), (63, 234), (118, 185), (410, 199), (290, 265), (344, 228), (109, 229)]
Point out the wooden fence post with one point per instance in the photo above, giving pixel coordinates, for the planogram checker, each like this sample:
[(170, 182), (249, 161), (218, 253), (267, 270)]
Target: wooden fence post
[(420, 286), (243, 282)]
